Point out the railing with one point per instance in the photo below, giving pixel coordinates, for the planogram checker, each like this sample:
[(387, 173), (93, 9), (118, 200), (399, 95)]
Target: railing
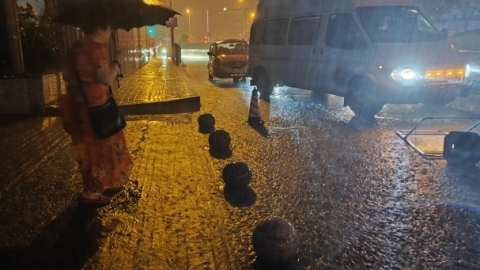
[(429, 142)]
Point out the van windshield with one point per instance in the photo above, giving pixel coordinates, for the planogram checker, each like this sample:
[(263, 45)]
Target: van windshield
[(232, 48), (396, 24)]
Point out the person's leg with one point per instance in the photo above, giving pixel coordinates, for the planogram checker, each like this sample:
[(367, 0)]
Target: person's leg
[(92, 186)]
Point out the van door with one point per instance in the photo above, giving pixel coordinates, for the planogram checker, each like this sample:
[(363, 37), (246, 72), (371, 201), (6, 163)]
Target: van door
[(273, 51), (345, 52), (302, 52)]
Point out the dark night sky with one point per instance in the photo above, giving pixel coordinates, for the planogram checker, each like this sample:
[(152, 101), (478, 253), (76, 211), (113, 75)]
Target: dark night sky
[(222, 24)]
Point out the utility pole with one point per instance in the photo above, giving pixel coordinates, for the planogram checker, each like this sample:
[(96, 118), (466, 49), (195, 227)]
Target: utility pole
[(14, 36), (208, 30), (189, 25), (172, 36)]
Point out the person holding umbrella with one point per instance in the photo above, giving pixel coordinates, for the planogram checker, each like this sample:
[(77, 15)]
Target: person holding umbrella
[(103, 163)]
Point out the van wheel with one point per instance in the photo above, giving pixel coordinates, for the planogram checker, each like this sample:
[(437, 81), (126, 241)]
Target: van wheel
[(210, 77), (263, 83), (361, 98)]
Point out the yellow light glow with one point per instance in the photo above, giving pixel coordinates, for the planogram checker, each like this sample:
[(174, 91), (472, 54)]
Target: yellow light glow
[(450, 73), (47, 122)]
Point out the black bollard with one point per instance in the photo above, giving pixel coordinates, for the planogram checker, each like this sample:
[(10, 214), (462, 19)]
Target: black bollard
[(237, 174), (275, 240), (206, 123), (461, 148), (219, 141)]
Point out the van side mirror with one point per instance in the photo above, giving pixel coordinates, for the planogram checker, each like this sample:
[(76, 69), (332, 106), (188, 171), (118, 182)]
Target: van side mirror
[(444, 34)]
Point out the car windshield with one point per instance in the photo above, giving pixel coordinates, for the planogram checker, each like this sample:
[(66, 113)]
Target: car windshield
[(232, 48), (396, 24)]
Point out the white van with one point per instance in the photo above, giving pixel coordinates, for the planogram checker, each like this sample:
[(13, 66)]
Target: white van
[(371, 52)]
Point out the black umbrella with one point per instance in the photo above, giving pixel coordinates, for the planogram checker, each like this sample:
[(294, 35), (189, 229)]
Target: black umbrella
[(121, 14)]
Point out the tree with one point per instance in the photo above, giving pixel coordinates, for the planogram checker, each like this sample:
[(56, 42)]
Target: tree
[(5, 57), (40, 41), (184, 39), (435, 9)]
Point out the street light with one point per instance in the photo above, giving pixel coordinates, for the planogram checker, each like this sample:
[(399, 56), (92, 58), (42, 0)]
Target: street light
[(188, 12)]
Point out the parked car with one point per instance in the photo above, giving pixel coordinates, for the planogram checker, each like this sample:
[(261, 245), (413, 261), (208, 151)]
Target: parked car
[(228, 59), (468, 44)]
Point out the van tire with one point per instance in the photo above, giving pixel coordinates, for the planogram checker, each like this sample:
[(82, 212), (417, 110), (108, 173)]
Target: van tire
[(263, 82), (360, 95)]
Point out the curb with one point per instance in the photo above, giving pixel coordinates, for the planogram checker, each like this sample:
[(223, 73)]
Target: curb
[(184, 105)]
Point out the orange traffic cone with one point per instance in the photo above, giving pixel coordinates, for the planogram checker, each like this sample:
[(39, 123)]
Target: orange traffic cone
[(254, 113)]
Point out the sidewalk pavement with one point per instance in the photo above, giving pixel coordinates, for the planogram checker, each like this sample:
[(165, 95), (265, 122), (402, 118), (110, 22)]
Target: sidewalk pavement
[(41, 225), (157, 87)]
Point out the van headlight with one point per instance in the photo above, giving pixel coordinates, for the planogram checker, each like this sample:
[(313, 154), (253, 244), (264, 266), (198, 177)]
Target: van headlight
[(404, 75)]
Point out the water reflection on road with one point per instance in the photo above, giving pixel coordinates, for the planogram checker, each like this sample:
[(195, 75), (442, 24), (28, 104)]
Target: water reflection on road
[(391, 114), (430, 202)]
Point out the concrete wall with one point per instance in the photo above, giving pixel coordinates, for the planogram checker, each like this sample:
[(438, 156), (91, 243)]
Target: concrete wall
[(21, 95)]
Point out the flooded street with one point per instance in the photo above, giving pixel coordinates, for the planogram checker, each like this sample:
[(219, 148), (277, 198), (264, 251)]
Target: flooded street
[(359, 196)]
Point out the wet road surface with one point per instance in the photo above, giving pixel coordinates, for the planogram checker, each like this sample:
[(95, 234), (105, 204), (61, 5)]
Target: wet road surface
[(358, 195)]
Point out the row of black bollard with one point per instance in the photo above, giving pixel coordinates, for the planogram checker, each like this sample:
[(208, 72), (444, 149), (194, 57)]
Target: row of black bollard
[(218, 140), (274, 239)]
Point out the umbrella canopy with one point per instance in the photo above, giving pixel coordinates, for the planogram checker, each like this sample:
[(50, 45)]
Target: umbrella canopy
[(121, 14)]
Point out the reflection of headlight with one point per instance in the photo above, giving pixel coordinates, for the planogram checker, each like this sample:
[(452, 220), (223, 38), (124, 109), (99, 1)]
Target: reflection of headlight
[(404, 74), (467, 71)]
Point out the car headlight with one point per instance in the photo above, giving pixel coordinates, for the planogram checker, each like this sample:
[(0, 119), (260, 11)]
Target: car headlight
[(467, 70)]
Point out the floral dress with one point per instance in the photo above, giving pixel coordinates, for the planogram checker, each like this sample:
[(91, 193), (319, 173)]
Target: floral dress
[(103, 163)]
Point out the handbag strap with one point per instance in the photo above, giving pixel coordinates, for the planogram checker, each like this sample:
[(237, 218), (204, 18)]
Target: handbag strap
[(80, 84)]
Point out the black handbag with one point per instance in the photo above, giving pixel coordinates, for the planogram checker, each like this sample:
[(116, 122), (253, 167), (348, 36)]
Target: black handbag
[(106, 119)]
